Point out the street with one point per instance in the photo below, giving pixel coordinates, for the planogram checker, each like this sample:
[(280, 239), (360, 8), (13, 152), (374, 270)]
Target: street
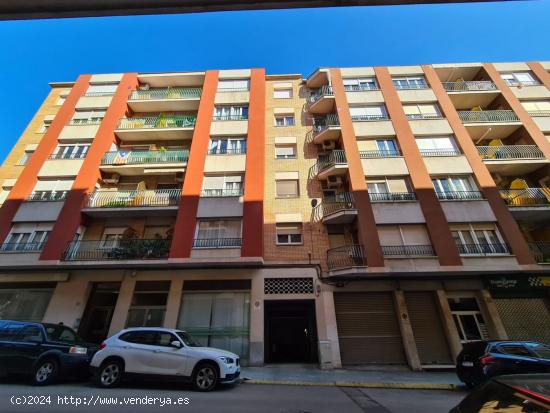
[(16, 396)]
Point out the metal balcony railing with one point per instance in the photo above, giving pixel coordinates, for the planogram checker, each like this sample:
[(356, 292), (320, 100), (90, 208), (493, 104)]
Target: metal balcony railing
[(319, 93), (488, 116), (131, 249), (217, 242), (391, 196), (221, 193), (417, 116), (510, 152), (167, 93), (22, 247), (541, 251), (134, 198), (48, 196), (470, 86), (144, 157), (369, 118), (482, 249), (336, 157), (98, 94), (346, 256), (321, 124), (416, 84), (157, 122), (230, 117), (539, 113), (459, 195), (440, 152), (361, 88), (380, 153), (333, 205), (526, 197), (66, 156), (84, 122), (227, 151), (408, 250)]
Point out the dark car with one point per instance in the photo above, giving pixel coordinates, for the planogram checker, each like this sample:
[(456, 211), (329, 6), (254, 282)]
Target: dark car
[(526, 393), (480, 360), (42, 351)]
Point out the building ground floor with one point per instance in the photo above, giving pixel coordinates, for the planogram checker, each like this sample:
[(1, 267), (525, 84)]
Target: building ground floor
[(286, 314)]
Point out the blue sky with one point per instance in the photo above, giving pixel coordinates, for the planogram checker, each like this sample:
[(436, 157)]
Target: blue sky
[(33, 53)]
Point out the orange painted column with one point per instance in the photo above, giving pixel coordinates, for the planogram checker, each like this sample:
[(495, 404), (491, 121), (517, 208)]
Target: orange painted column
[(28, 178), (186, 220), (253, 209), (528, 123), (507, 225), (368, 233), (436, 222), (70, 216)]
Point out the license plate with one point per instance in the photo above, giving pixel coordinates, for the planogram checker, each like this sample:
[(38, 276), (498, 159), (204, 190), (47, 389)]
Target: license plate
[(468, 364)]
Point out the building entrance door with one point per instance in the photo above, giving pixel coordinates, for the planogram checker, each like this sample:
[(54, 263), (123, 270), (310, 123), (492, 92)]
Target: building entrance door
[(96, 320)]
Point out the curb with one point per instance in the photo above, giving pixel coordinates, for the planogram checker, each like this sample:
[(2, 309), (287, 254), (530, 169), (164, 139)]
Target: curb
[(372, 385)]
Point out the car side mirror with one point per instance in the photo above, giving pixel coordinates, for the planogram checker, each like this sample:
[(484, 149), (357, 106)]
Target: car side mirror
[(175, 344)]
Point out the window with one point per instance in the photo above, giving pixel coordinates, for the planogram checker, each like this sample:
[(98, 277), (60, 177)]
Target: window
[(363, 83), (289, 234), (102, 90), (422, 111), (393, 188), (60, 100), (437, 145), (227, 146), (70, 152), (218, 234), (27, 304), (478, 239), (282, 93), (284, 120), (45, 125), (87, 117), (139, 337), (30, 333), (233, 85), (285, 151), (222, 185), (231, 113), (387, 147), (287, 188), (537, 108), (377, 187), (148, 304), (519, 78), (25, 241), (368, 113), (515, 349), (452, 184), (165, 339), (410, 82), (60, 333), (26, 156), (112, 236), (468, 319)]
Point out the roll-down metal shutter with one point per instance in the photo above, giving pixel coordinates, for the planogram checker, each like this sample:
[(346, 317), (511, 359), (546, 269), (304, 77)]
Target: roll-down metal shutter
[(368, 329), (525, 318), (427, 328)]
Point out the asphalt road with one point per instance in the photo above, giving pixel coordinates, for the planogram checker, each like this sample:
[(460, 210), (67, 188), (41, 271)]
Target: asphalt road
[(15, 396)]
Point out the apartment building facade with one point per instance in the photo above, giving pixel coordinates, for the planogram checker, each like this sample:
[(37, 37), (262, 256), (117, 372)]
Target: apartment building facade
[(360, 215)]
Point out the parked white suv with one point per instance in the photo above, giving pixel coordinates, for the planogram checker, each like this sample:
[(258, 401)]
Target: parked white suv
[(162, 353)]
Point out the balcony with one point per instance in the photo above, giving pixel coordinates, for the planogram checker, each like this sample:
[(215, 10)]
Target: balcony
[(217, 243), (131, 249), (170, 99), (408, 251), (326, 128), (490, 124), (529, 204), (150, 128), (336, 210), (222, 193), (471, 93), (459, 195), (482, 249), (541, 251), (346, 256), (137, 162), (470, 86), (439, 152), (380, 153), (512, 159), (488, 116), (392, 196), (133, 202), (321, 100), (423, 116), (334, 164), (9, 247)]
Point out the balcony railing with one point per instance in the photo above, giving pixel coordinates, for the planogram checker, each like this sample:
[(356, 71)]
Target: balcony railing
[(346, 256), (526, 197), (541, 251), (131, 249), (369, 118), (419, 84), (488, 116), (98, 94), (84, 122), (417, 116), (227, 151), (510, 152), (482, 249), (66, 156), (157, 122), (472, 86), (440, 152), (221, 193), (167, 93), (319, 93), (392, 196), (144, 157), (361, 87), (408, 250), (22, 247), (336, 157), (134, 198), (539, 113), (48, 196), (217, 242), (380, 153), (332, 205), (230, 117), (459, 195), (320, 124)]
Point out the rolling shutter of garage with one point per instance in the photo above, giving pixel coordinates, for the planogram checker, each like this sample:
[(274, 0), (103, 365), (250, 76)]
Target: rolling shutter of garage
[(368, 329), (427, 328), (525, 318)]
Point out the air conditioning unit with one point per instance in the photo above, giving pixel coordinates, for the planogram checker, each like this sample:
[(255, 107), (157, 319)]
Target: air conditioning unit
[(334, 181), (113, 179), (179, 176), (328, 145)]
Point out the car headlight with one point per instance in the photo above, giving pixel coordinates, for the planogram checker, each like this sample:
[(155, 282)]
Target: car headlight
[(227, 360)]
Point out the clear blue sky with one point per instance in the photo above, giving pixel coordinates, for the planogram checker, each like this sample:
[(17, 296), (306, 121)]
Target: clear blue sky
[(33, 53)]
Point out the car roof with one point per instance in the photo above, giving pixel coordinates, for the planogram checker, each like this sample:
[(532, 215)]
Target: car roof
[(170, 330), (505, 342)]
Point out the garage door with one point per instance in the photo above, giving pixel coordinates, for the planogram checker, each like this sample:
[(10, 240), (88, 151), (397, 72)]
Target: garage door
[(525, 318), (368, 329), (427, 328)]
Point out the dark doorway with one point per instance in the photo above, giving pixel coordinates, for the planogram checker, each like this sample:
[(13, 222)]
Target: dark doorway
[(96, 320), (290, 331)]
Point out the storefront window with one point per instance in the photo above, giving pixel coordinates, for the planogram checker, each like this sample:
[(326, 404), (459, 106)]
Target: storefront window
[(25, 305), (148, 304)]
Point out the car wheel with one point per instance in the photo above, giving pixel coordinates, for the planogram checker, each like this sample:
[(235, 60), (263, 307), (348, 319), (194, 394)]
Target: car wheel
[(205, 377), (45, 372), (110, 373)]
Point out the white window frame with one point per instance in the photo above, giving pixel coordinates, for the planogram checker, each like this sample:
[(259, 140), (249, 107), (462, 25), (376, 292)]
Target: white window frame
[(233, 145), (103, 89), (287, 118), (420, 113), (289, 241), (380, 115), (93, 117), (68, 151), (230, 112), (286, 145), (410, 82), (473, 235), (233, 85), (465, 178), (360, 84), (297, 195), (514, 78), (284, 93)]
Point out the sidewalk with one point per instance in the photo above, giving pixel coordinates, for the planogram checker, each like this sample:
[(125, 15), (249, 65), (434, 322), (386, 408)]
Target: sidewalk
[(311, 375)]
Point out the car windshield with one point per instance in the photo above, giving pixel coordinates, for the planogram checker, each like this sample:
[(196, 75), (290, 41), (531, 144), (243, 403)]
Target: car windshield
[(61, 333), (542, 351), (187, 339)]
